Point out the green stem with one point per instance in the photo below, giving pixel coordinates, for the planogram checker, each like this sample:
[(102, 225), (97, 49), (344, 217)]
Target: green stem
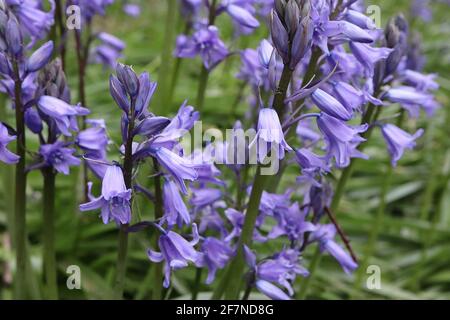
[(49, 256), (20, 196), (166, 54), (237, 265), (202, 84), (157, 291), (198, 278), (119, 283)]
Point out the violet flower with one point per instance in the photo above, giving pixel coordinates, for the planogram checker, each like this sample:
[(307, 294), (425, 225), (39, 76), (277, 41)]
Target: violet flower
[(330, 105), (398, 140), (114, 201), (341, 139), (204, 42), (176, 252), (214, 254), (109, 51), (6, 156), (58, 156), (175, 211), (269, 135)]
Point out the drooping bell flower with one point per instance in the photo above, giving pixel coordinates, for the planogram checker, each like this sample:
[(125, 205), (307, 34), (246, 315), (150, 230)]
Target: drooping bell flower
[(40, 57), (109, 51), (203, 197), (214, 254), (114, 201), (330, 105), (269, 136), (61, 112), (132, 9), (398, 140), (240, 12), (340, 138), (236, 219), (265, 51), (325, 234), (6, 156), (175, 211), (179, 168), (58, 156), (176, 252), (423, 82), (368, 56), (350, 97), (204, 42), (412, 100)]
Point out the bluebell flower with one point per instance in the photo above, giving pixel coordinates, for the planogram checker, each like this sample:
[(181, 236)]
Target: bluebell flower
[(412, 100), (35, 22), (330, 105), (325, 234), (422, 82), (398, 140), (251, 70), (291, 223), (368, 55), (214, 254), (203, 197), (179, 168), (265, 51), (58, 156), (61, 113), (93, 138), (271, 290), (109, 51), (236, 219), (40, 57), (6, 156), (340, 138), (175, 210), (132, 9), (114, 201), (350, 97), (176, 252), (269, 135), (204, 42), (240, 12)]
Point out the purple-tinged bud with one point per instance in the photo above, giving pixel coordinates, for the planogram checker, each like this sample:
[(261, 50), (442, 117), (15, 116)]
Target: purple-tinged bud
[(242, 16), (118, 93), (129, 79), (5, 65), (279, 37), (291, 17), (302, 42), (40, 57), (151, 125), (52, 81), (146, 91), (33, 120), (280, 7), (13, 37), (330, 105)]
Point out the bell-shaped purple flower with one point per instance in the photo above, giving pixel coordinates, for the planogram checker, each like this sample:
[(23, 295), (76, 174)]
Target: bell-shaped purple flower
[(242, 16), (6, 156), (368, 55), (324, 234), (175, 211), (114, 201), (204, 42), (203, 197), (330, 105), (214, 255), (176, 252), (59, 157), (340, 138), (271, 290), (109, 51), (398, 140), (265, 51), (270, 135), (179, 168)]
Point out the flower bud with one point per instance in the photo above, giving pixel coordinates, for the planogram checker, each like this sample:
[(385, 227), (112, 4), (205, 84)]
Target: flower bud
[(291, 17), (33, 120), (118, 93), (52, 81), (13, 37), (5, 65), (279, 37), (128, 78), (40, 57)]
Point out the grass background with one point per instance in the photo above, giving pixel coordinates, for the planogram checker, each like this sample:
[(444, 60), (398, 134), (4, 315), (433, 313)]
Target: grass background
[(413, 249)]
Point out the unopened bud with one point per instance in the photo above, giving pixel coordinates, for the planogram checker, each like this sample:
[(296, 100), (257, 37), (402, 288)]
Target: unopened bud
[(128, 78)]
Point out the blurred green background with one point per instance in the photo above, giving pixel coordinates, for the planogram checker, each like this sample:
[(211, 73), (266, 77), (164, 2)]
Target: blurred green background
[(413, 248)]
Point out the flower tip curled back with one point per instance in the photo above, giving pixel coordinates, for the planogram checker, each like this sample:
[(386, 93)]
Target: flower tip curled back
[(6, 156)]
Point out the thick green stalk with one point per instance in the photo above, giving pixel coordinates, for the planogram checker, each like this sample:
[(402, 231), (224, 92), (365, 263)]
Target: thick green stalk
[(157, 290), (49, 256), (197, 280), (166, 54), (202, 84), (204, 73), (119, 283), (20, 196), (236, 268)]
